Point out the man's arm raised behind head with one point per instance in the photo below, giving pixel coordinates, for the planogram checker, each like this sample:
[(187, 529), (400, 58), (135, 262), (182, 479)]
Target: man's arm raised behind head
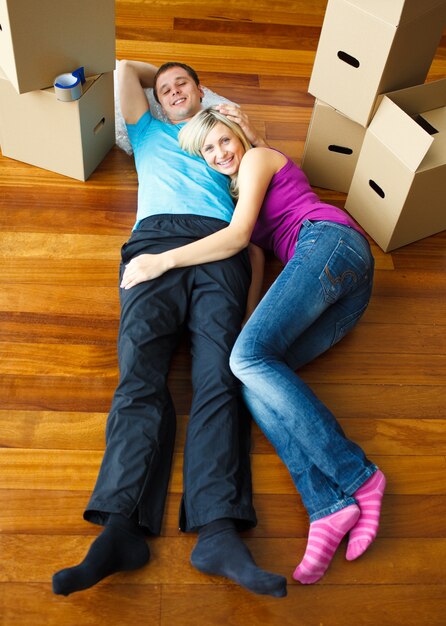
[(134, 77)]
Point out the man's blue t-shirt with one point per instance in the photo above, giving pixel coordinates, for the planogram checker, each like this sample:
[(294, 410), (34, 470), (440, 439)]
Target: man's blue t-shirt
[(172, 181)]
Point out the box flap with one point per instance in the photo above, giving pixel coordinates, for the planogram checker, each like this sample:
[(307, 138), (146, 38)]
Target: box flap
[(436, 156), (401, 134), (420, 98), (396, 11)]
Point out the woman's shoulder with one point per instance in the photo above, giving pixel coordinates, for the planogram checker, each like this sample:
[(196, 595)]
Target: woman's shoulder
[(265, 157)]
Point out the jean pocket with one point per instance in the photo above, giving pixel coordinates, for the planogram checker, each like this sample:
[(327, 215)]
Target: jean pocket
[(347, 324), (344, 272)]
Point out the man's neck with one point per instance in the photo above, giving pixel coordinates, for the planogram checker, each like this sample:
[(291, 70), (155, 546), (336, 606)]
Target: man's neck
[(187, 119)]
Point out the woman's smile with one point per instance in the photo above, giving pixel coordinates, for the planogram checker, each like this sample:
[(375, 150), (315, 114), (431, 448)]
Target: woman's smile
[(223, 150)]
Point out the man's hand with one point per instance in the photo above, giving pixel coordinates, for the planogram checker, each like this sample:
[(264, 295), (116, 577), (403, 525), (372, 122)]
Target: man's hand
[(235, 114), (142, 268)]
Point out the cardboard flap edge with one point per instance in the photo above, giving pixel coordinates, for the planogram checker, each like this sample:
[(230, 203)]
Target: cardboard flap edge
[(401, 134)]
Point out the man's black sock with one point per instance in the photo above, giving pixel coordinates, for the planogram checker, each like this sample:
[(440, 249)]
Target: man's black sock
[(120, 547), (220, 551)]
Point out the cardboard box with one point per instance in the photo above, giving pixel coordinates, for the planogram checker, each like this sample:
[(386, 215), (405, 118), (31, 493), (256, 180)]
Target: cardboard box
[(332, 148), (40, 39), (70, 138), (398, 191), (370, 47)]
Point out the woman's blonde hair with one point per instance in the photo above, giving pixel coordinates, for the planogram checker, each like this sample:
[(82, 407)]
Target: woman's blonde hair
[(193, 136)]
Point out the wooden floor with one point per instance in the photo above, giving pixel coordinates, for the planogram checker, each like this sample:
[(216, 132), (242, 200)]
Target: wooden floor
[(59, 248)]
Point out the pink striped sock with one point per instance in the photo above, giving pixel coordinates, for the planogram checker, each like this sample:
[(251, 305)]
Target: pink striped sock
[(323, 540), (369, 497)]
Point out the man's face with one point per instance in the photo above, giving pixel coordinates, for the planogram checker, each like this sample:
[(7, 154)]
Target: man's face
[(178, 94)]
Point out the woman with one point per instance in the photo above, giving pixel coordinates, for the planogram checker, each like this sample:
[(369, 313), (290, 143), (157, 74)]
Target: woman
[(319, 296)]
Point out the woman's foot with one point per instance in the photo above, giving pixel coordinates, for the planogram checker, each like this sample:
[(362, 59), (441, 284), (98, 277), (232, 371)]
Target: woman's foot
[(323, 540), (369, 497)]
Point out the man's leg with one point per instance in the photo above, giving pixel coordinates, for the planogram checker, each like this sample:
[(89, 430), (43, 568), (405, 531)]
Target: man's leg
[(217, 478), (140, 436), (142, 418)]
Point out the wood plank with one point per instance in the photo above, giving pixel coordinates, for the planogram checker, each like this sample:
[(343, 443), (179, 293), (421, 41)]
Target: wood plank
[(280, 130), (419, 283), (88, 220), (407, 310), (58, 360), (268, 61), (344, 400), (101, 360), (66, 430), (299, 12), (61, 394), (405, 474), (219, 80), (49, 512), (388, 561), (187, 30), (37, 328), (66, 246), (406, 339), (25, 604), (391, 605), (274, 97), (104, 271), (61, 300), (116, 170), (425, 254), (75, 470), (417, 369), (385, 400)]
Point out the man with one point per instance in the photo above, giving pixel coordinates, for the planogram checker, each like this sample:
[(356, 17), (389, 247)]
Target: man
[(180, 200)]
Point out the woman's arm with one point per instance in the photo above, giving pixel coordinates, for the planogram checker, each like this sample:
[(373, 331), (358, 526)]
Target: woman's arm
[(257, 258), (256, 170)]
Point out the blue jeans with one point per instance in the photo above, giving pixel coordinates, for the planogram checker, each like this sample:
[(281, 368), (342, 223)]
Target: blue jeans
[(319, 296)]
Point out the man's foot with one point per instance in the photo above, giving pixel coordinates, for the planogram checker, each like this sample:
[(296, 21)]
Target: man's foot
[(324, 538), (369, 497), (220, 551), (120, 547)]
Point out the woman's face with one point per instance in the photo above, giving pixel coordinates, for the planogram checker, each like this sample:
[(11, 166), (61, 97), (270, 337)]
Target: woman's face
[(222, 150)]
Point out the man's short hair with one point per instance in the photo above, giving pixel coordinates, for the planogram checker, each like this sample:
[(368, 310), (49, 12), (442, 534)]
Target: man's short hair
[(166, 66)]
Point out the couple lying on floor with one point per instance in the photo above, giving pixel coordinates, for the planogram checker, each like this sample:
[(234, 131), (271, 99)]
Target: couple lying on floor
[(194, 260)]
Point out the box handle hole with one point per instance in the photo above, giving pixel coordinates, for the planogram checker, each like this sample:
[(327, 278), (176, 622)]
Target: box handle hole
[(99, 126), (377, 189), (347, 58), (340, 149), (425, 125)]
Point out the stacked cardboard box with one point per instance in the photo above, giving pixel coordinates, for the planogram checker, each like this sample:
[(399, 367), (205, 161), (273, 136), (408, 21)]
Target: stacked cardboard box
[(38, 42), (369, 48)]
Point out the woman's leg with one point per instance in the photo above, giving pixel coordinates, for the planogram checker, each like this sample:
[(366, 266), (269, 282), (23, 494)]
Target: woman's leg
[(326, 269), (324, 288)]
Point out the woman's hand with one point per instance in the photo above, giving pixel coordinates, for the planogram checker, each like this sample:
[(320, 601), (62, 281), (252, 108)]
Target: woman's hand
[(142, 268), (235, 114)]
